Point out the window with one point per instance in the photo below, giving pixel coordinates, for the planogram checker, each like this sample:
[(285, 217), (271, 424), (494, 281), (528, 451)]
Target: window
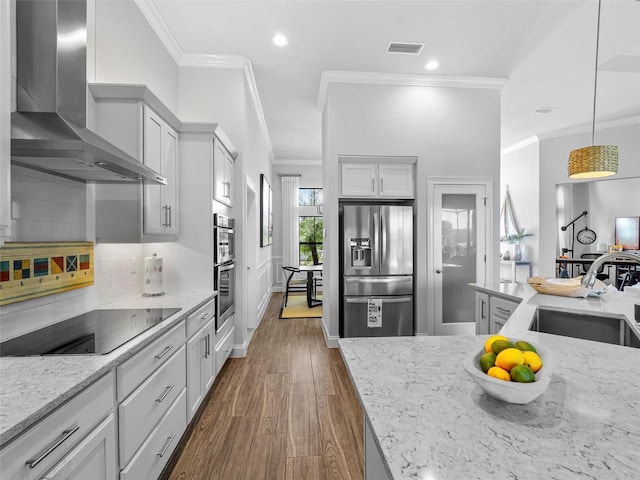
[(310, 225), (310, 238), (309, 197)]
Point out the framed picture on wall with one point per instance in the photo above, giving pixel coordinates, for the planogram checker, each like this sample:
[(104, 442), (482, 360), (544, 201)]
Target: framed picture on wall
[(266, 212), (628, 232)]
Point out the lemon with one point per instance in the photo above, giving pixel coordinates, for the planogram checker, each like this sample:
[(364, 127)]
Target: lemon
[(508, 358), (532, 360), (487, 361), (500, 345), (490, 340), (522, 374), (499, 373), (525, 346)]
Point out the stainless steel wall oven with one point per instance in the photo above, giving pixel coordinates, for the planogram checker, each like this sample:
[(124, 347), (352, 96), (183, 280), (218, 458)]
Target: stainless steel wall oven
[(224, 268)]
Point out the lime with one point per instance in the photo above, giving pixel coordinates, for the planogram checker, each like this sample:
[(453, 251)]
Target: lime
[(487, 361), (500, 345), (525, 346), (522, 374), (490, 340)]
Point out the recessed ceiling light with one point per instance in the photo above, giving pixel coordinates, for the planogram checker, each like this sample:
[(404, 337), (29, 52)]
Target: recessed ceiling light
[(280, 40), (432, 64)]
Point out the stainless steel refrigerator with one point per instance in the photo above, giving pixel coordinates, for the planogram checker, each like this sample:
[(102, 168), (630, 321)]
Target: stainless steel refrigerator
[(376, 270)]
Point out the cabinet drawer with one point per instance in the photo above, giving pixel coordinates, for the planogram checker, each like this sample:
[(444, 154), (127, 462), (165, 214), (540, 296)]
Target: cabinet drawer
[(501, 309), (57, 433), (135, 370), (157, 448), (140, 412), (199, 318), (223, 349)]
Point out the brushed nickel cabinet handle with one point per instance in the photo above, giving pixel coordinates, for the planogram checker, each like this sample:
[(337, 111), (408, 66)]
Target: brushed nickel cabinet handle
[(373, 185), (164, 352), (33, 463), (205, 316), (165, 447), (165, 393), (206, 348)]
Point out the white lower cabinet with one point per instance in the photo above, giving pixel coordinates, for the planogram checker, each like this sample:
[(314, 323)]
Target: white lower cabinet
[(499, 312), (93, 458), (77, 437), (200, 367), (152, 405), (482, 313), (155, 452), (374, 464), (223, 349)]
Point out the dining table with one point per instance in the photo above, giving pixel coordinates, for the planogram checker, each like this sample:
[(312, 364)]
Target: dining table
[(311, 270)]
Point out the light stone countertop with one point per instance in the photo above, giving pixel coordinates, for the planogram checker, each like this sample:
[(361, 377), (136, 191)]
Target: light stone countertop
[(433, 423), (31, 387)]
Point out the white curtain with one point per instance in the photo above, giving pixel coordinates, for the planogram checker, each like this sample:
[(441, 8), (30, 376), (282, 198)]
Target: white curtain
[(290, 245)]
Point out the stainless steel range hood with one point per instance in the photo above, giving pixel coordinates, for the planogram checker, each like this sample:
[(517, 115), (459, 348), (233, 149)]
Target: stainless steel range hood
[(48, 132)]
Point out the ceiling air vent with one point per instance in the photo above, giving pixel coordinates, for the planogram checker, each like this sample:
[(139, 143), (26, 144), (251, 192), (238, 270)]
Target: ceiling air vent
[(405, 48)]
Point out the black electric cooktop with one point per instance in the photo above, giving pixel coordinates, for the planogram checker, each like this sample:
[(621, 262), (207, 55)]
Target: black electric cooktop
[(96, 332)]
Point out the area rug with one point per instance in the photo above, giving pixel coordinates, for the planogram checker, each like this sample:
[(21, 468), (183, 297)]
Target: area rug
[(297, 308)]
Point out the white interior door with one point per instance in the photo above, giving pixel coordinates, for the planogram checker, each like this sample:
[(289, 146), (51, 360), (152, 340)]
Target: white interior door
[(458, 255), (250, 254)]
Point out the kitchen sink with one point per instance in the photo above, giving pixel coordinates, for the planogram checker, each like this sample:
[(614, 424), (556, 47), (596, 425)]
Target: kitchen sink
[(585, 325)]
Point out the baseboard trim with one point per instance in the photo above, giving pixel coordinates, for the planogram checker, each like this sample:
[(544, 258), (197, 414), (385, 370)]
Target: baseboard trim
[(331, 341)]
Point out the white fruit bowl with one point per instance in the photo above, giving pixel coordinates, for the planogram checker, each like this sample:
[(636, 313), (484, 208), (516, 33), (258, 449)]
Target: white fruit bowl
[(511, 392)]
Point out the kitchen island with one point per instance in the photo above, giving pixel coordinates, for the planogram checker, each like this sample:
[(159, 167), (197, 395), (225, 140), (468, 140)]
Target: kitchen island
[(427, 420)]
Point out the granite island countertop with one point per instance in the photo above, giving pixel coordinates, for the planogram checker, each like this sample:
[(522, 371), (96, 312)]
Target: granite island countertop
[(32, 387), (432, 422)]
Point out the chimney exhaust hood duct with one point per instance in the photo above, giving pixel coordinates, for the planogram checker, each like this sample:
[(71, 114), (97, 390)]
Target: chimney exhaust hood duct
[(48, 132)]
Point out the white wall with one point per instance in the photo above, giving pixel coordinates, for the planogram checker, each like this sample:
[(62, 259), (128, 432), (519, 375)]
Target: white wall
[(453, 132), (520, 170), (554, 153), (129, 51)]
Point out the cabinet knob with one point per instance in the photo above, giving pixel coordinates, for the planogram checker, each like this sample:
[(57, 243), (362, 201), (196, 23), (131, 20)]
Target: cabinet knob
[(438, 270)]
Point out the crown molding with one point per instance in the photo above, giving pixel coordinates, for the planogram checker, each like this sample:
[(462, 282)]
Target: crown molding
[(519, 145), (586, 128), (296, 163), (399, 79), (150, 12), (213, 61)]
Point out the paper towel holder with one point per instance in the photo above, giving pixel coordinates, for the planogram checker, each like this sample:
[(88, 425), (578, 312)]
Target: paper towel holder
[(147, 280)]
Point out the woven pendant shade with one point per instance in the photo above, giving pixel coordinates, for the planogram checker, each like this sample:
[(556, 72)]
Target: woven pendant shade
[(593, 162)]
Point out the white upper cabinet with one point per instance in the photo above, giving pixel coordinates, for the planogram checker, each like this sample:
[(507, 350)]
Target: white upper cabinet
[(376, 180), (160, 154), (223, 166), (133, 119)]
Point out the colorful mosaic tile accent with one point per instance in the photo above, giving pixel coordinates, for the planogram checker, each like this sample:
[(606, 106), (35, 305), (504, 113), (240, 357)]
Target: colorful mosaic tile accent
[(21, 269), (31, 270), (57, 265), (4, 271)]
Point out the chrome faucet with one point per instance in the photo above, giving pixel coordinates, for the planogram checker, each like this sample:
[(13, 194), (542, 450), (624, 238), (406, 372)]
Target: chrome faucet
[(589, 278)]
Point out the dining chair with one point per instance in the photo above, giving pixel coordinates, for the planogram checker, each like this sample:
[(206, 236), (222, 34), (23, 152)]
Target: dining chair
[(600, 275), (293, 284)]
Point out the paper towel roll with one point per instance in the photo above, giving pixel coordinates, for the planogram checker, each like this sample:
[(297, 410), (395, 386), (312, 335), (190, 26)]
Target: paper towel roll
[(152, 276)]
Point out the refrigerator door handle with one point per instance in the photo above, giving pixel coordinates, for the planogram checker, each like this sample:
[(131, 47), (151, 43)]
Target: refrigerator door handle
[(376, 239), (394, 279), (395, 299), (383, 239)]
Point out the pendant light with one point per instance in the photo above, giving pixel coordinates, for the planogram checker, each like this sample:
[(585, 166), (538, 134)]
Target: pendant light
[(597, 160)]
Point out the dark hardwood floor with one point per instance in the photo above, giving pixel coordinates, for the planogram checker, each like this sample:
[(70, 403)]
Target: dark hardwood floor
[(285, 411)]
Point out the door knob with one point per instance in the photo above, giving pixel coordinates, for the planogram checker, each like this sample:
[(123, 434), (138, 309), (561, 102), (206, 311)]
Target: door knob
[(438, 270)]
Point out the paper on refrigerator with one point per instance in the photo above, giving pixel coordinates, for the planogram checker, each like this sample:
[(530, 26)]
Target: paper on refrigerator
[(374, 312)]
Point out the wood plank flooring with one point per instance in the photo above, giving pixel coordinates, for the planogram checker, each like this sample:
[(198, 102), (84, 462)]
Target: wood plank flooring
[(286, 411)]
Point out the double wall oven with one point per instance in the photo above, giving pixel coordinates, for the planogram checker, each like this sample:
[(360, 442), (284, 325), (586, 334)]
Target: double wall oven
[(224, 268)]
